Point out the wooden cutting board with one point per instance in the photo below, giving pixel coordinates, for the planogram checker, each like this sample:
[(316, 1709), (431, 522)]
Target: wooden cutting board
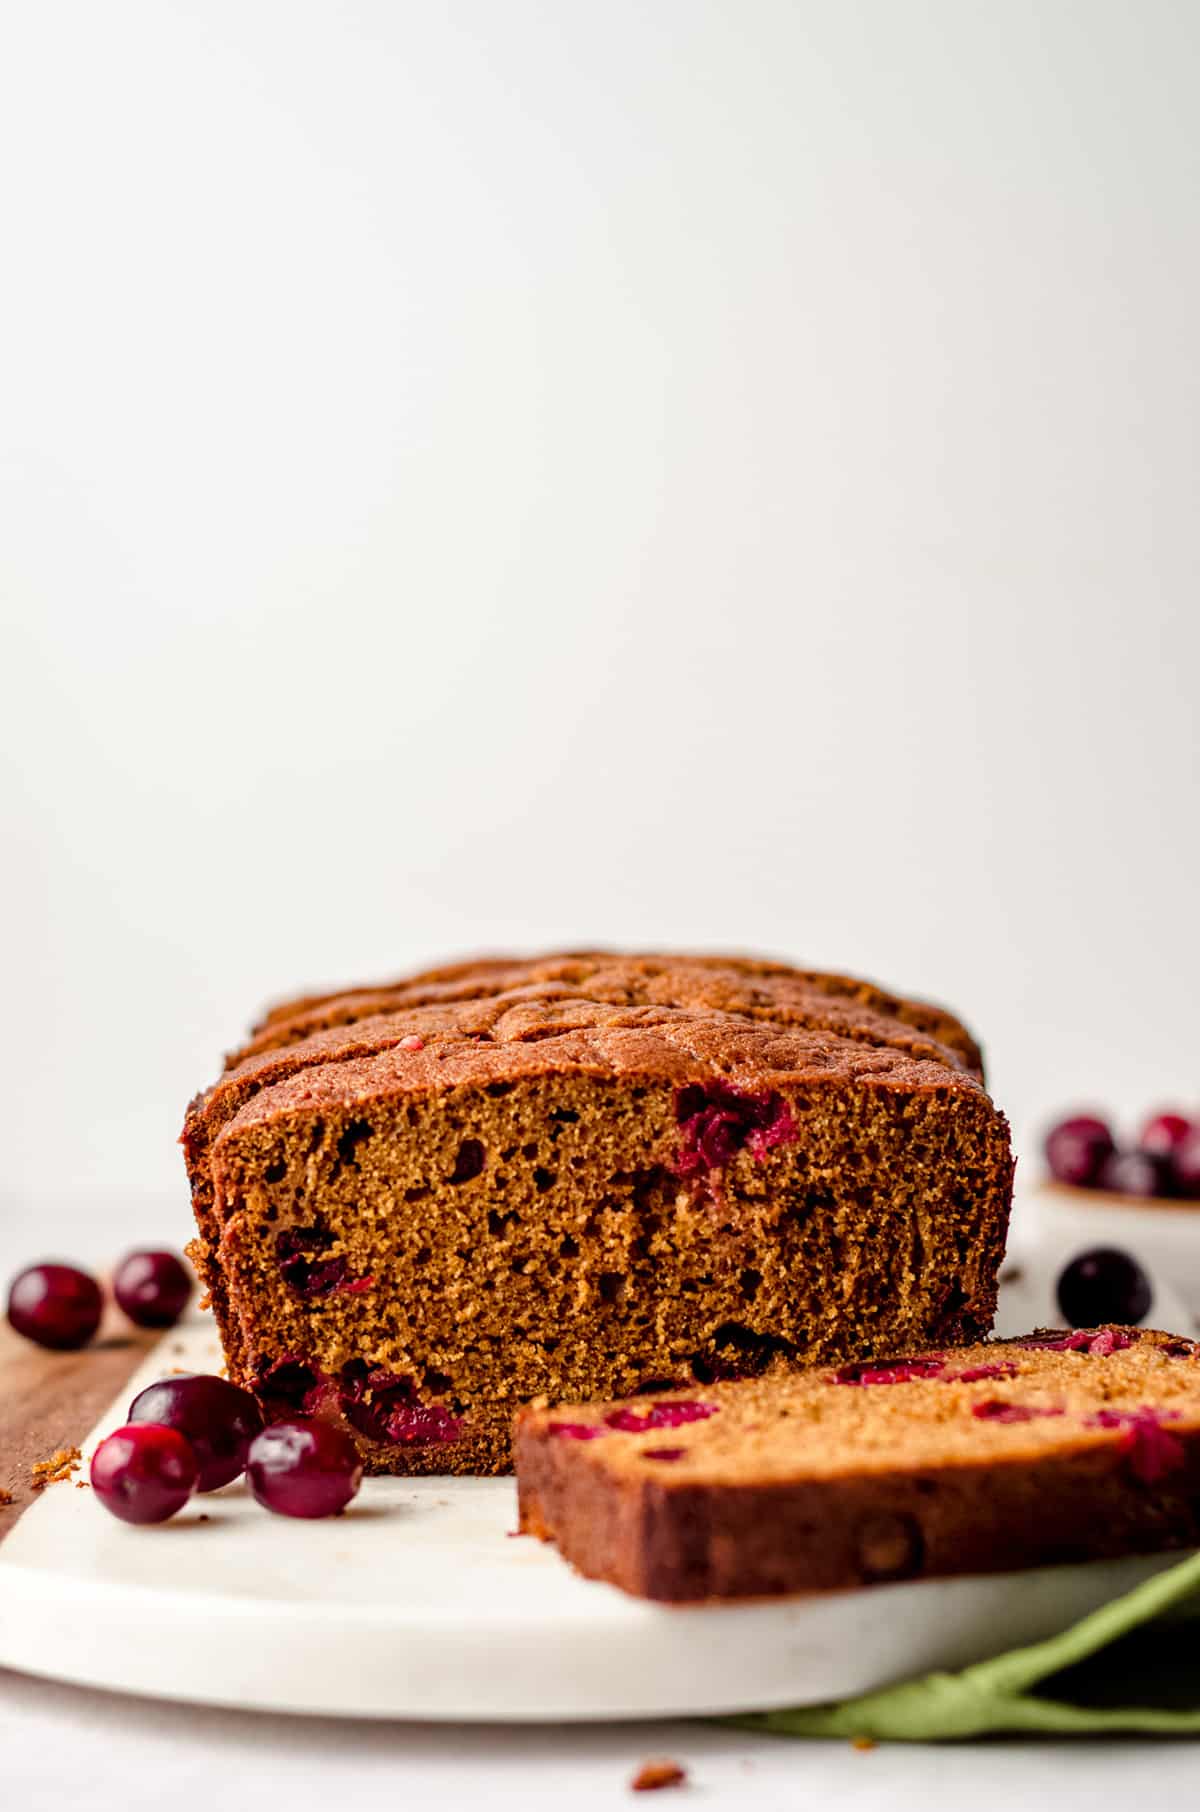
[(50, 1400)]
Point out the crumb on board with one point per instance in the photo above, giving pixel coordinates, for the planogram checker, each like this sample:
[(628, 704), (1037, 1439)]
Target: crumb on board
[(60, 1465), (863, 1743), (658, 1773), (6, 1497)]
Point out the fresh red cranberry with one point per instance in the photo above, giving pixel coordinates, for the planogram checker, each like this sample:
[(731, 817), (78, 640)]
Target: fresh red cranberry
[(216, 1417), (144, 1473), (1185, 1166), (1076, 1148), (1103, 1285), (56, 1305), (1135, 1173), (153, 1288), (304, 1468), (975, 1373), (575, 1431), (1164, 1133)]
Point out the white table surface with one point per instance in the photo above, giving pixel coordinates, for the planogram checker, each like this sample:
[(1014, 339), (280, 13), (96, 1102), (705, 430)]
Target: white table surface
[(63, 1747)]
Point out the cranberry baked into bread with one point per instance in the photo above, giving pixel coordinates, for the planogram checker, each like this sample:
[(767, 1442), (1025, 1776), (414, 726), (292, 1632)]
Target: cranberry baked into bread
[(1055, 1447), (422, 1204)]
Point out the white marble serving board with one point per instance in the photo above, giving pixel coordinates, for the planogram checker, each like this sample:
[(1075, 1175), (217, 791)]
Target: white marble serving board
[(417, 1604)]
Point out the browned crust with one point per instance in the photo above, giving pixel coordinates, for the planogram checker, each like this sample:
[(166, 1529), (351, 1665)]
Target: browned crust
[(682, 1541)]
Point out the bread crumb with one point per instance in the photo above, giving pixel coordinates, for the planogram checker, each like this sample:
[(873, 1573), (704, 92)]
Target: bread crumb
[(6, 1497), (863, 1743), (60, 1465), (659, 1773)]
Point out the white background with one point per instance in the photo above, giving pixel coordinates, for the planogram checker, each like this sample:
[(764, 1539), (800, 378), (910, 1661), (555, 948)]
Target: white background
[(646, 471), (510, 474)]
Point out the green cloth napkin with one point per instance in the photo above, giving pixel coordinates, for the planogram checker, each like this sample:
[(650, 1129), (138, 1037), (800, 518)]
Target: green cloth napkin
[(1106, 1673)]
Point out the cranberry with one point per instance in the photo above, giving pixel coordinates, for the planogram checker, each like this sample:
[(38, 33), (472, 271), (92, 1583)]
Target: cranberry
[(1103, 1285), (1076, 1148), (997, 1409), (218, 1419), (717, 1119), (889, 1371), (1152, 1451), (56, 1305), (660, 1415), (304, 1468), (1134, 1173), (144, 1473), (575, 1431), (153, 1288), (1185, 1165), (1164, 1133)]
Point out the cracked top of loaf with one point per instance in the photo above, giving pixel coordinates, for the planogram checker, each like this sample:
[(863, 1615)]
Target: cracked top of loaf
[(664, 1015)]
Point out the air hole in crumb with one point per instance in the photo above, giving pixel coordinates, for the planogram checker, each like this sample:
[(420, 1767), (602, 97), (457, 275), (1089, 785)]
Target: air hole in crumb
[(417, 1193), (563, 1114), (569, 1247), (749, 1282), (496, 1089), (436, 1382), (469, 1161), (530, 1150), (350, 1140), (424, 1254), (275, 1173), (544, 1179), (611, 1284)]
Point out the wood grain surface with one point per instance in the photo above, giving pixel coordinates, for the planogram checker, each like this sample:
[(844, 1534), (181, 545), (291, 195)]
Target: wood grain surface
[(51, 1400)]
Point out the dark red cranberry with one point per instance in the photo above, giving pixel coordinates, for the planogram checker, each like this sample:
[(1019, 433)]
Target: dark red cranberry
[(1135, 1173), (217, 1418), (660, 1415), (56, 1305), (304, 1468), (1103, 1285), (1153, 1452), (1164, 1133), (153, 1288), (144, 1473), (1076, 1149), (717, 1119), (1185, 1166), (889, 1371), (999, 1409), (575, 1431)]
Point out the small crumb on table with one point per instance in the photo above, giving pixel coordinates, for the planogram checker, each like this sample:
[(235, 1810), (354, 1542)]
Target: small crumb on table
[(60, 1465), (6, 1497), (863, 1743), (659, 1773)]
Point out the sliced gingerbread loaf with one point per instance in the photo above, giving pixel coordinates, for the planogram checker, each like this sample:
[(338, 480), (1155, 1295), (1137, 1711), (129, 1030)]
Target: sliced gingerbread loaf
[(1019, 1453), (421, 1204)]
